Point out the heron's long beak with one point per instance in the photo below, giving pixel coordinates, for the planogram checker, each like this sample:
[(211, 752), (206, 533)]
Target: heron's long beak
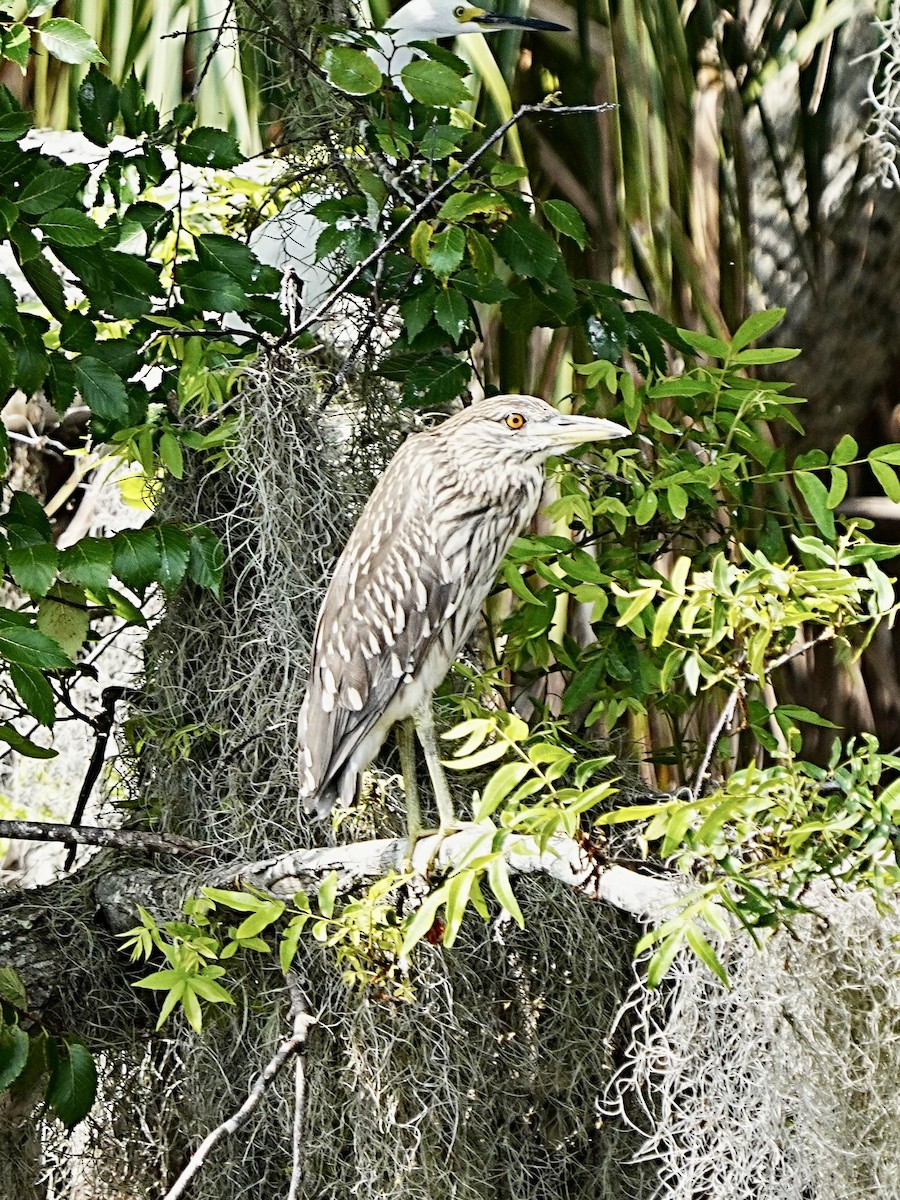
[(575, 431), (504, 21)]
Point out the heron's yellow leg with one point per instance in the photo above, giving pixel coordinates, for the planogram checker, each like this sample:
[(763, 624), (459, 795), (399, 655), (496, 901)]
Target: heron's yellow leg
[(406, 744), (424, 721)]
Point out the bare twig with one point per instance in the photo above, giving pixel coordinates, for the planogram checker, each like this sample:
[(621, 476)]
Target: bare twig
[(796, 651), (302, 1023), (724, 719), (103, 724), (93, 835), (350, 278)]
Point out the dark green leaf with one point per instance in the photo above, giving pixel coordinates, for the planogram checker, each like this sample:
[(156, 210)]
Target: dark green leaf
[(351, 71), (102, 389), (89, 562), (136, 557), (72, 1088), (212, 290), (207, 561), (47, 284), (98, 107), (216, 252), (451, 312), (33, 567), (137, 115), (16, 45), (69, 227), (13, 1053), (49, 189), (436, 381), (527, 249), (206, 147), (566, 219), (30, 749), (26, 520), (121, 285), (27, 647), (175, 554), (35, 692)]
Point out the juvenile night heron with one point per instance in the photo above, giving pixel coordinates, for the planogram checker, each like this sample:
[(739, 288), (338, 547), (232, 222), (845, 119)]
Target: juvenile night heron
[(410, 584)]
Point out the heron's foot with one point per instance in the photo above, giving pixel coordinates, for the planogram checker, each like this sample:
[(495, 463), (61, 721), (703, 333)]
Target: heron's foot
[(435, 838)]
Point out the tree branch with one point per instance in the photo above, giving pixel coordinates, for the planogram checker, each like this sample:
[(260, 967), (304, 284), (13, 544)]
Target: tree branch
[(564, 860), (93, 835), (302, 1023)]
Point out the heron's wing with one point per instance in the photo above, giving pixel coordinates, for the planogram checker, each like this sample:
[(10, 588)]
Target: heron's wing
[(389, 602)]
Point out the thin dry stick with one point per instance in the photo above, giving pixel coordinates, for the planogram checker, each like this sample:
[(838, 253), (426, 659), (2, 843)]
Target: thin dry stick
[(724, 719), (349, 279), (303, 1022)]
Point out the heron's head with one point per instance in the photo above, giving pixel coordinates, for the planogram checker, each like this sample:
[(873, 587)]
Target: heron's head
[(527, 429), (428, 20)]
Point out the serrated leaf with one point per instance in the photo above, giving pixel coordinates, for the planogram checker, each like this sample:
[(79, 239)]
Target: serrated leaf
[(49, 189), (102, 390), (73, 1084), (446, 251), (12, 987), (208, 147), (351, 71), (465, 204), (98, 107), (136, 557), (16, 45), (528, 250), (566, 219), (33, 567), (69, 42), (175, 554), (88, 562), (434, 84), (47, 285), (13, 1054), (28, 647), (63, 615), (69, 227), (451, 312), (207, 562), (35, 693)]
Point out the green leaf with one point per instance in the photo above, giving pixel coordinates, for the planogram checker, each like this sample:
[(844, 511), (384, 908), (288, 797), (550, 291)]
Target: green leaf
[(88, 562), (887, 477), (757, 326), (212, 290), (207, 562), (73, 1084), (69, 42), (527, 249), (12, 988), (136, 557), (327, 894), (217, 252), (14, 1045), (663, 958), (9, 315), (47, 284), (887, 454), (645, 509), (351, 71), (101, 388), (98, 107), (437, 380), (175, 554), (705, 952), (16, 46), (26, 521), (49, 189), (30, 749), (503, 173), (33, 567), (264, 916), (69, 227), (753, 358), (451, 312), (498, 878), (499, 786), (797, 712), (566, 219), (838, 489), (465, 204), (434, 84), (815, 494), (446, 252), (207, 147), (28, 647), (845, 451), (35, 693), (64, 616)]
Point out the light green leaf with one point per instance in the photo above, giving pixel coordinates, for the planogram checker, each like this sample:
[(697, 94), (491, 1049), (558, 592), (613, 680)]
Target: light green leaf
[(757, 326), (498, 878), (838, 489), (265, 916), (351, 71), (887, 477), (845, 451), (887, 454), (446, 251), (69, 42), (705, 952), (16, 46), (499, 786), (815, 494), (434, 84), (63, 615), (327, 894)]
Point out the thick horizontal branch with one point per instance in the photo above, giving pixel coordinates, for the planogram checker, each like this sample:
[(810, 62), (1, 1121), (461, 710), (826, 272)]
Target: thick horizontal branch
[(564, 860), (93, 835)]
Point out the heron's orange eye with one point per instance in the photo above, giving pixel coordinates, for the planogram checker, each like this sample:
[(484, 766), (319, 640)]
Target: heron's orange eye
[(515, 420)]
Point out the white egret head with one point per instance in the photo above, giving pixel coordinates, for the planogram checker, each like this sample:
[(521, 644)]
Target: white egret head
[(427, 20)]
